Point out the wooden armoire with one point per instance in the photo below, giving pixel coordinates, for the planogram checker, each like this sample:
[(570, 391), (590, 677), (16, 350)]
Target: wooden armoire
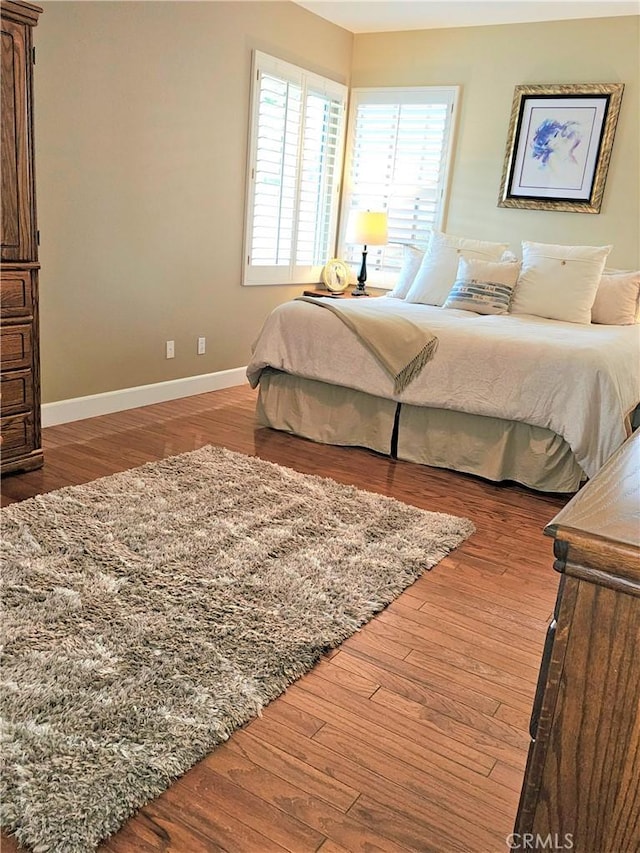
[(20, 449)]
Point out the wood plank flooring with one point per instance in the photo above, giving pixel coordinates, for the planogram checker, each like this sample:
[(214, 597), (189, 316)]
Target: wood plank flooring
[(413, 734)]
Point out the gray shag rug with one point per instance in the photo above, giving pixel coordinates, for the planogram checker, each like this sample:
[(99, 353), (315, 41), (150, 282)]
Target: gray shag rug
[(148, 614)]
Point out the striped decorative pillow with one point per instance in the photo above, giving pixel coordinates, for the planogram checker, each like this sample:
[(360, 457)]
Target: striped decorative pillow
[(485, 287)]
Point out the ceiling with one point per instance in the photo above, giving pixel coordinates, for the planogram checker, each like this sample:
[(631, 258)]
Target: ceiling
[(369, 16)]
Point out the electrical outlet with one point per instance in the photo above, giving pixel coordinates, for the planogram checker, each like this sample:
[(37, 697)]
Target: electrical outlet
[(202, 346), (171, 349)]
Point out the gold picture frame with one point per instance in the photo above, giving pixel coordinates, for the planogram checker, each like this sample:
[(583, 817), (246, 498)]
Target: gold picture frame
[(559, 146)]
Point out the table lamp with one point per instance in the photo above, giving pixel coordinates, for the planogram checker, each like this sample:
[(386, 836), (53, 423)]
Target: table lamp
[(369, 228)]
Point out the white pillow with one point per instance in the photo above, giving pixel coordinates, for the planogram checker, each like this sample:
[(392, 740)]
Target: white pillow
[(617, 301), (485, 287), (411, 259), (559, 282), (437, 273)]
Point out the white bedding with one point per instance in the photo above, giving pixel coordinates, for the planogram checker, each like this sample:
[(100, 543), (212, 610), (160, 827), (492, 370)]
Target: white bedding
[(579, 381)]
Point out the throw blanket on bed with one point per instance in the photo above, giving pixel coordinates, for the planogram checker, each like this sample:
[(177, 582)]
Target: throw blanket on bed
[(401, 347)]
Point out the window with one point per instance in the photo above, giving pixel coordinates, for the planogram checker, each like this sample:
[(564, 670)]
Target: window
[(295, 163), (398, 160)]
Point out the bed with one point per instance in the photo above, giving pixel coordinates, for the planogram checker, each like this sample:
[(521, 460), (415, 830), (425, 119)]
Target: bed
[(506, 397)]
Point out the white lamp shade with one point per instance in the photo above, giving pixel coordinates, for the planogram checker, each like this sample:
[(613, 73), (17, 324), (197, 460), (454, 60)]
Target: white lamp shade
[(368, 227)]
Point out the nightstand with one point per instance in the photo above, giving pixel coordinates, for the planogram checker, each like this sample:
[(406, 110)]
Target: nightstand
[(346, 295)]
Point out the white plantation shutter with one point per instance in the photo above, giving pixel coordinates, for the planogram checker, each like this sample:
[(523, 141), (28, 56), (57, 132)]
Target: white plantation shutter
[(295, 159), (276, 162), (398, 161), (320, 178)]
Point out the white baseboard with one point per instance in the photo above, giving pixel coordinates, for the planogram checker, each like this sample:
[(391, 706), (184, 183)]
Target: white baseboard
[(78, 408)]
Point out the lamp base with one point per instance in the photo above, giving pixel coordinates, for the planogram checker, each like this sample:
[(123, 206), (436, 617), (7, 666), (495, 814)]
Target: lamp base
[(362, 278), (359, 291)]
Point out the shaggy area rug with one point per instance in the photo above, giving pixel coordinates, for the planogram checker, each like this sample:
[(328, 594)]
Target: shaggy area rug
[(148, 614)]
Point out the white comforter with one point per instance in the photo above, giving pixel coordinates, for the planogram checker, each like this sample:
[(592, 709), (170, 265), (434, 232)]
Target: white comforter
[(579, 381)]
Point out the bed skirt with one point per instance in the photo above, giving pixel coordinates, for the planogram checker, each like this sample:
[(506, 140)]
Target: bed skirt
[(492, 448)]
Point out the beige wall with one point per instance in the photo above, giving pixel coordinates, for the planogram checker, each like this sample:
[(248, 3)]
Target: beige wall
[(141, 128), (141, 131), (488, 62)]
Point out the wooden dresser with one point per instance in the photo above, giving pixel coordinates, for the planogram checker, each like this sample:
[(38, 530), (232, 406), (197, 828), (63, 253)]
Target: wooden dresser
[(19, 338), (583, 771)]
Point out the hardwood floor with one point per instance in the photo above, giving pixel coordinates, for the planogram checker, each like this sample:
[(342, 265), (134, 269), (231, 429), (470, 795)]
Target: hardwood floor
[(413, 734)]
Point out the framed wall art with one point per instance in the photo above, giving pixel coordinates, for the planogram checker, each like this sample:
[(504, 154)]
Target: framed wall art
[(559, 146)]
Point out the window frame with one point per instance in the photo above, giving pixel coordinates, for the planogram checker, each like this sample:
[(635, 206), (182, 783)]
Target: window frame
[(292, 273), (450, 95)]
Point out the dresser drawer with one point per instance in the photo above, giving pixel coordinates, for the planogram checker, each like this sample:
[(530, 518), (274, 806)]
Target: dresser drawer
[(16, 347), (16, 391), (18, 435), (16, 296)]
